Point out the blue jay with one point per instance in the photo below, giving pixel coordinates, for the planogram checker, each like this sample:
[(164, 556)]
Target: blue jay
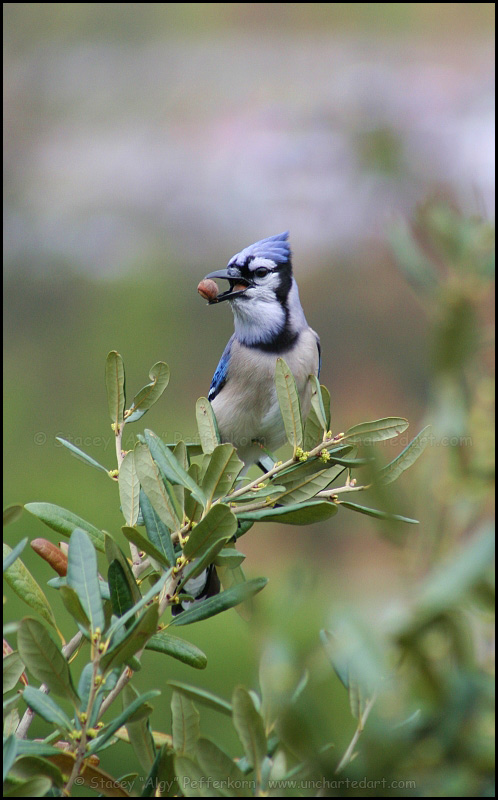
[(269, 322)]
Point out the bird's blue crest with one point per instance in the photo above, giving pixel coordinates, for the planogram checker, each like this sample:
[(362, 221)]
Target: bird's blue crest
[(275, 247)]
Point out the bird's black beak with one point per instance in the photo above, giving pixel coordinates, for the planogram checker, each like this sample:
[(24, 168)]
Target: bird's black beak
[(238, 285)]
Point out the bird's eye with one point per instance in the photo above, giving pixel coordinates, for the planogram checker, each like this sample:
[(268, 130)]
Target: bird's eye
[(261, 272)]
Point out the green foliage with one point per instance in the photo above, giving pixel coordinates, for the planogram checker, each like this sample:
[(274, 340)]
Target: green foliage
[(184, 509)]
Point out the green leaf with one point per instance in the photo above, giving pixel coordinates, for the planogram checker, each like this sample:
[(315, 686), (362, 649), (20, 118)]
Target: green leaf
[(171, 468), (115, 385), (28, 767), (155, 488), (13, 668), (313, 430), (75, 451), (300, 514), (47, 708), (207, 425), (303, 485), (203, 696), (143, 544), (406, 458), (139, 732), (72, 604), (44, 659), (219, 523), (113, 726), (14, 554), (157, 531), (9, 754), (229, 557), (250, 729), (21, 581), (82, 576), (147, 597), (288, 400), (129, 489), (198, 565), (317, 404), (65, 522), (134, 640), (11, 513), (376, 431), (180, 649), (191, 779), (180, 453), (185, 723), (374, 512), (114, 553), (193, 509), (224, 773), (121, 595), (35, 787), (222, 470), (150, 394), (221, 602)]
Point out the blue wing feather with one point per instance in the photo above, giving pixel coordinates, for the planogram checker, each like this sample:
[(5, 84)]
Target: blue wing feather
[(221, 371)]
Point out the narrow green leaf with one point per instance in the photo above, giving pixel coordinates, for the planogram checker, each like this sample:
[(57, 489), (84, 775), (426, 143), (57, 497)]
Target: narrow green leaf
[(113, 726), (376, 431), (185, 723), (44, 659), (28, 767), (114, 553), (139, 731), (157, 531), (115, 385), (180, 453), (180, 649), (13, 668), (147, 597), (35, 787), (64, 522), (144, 544), (304, 485), (82, 576), (406, 458), (207, 425), (221, 602), (318, 405), (313, 430), (219, 523), (250, 729), (193, 509), (203, 696), (129, 489), (121, 595), (229, 557), (171, 468), (222, 470), (288, 400), (77, 453), (73, 604), (9, 754), (21, 581), (47, 708), (374, 512), (14, 554), (191, 779), (11, 513), (155, 488), (134, 640), (300, 514), (198, 565), (150, 394), (222, 770)]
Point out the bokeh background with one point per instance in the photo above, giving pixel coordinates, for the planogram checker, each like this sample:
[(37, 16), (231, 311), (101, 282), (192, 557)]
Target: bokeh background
[(147, 143)]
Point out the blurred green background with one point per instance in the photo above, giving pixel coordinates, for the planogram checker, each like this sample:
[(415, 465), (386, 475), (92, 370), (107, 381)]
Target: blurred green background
[(144, 145)]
